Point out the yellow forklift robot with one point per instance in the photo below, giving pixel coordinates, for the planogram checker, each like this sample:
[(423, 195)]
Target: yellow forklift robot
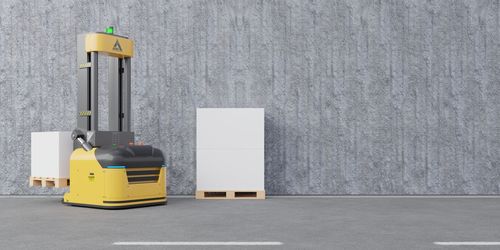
[(107, 170)]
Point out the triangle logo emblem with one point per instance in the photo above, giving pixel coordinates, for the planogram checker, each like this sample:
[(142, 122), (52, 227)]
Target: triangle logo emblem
[(117, 46)]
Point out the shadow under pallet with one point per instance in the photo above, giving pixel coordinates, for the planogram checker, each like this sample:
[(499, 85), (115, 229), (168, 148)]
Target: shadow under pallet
[(230, 195)]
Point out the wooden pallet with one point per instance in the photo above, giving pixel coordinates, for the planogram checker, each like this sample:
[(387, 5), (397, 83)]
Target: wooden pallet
[(48, 182), (230, 195)]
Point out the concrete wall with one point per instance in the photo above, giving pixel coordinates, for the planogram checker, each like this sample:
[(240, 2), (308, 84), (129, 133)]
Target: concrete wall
[(361, 97)]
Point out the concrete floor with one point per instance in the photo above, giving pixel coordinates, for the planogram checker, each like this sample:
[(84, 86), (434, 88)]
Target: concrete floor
[(299, 223)]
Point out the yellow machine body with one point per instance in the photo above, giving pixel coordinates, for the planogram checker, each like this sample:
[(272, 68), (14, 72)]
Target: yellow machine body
[(107, 169), (104, 187), (109, 44)]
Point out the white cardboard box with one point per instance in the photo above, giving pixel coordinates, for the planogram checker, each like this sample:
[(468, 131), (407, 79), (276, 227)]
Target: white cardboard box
[(230, 149), (230, 128), (50, 154)]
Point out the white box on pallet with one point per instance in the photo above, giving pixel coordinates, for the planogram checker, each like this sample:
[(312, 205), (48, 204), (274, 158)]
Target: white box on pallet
[(50, 153), (230, 170), (230, 149), (230, 128)]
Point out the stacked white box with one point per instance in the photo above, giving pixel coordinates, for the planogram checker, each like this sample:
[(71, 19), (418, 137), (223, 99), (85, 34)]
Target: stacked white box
[(230, 149), (50, 154)]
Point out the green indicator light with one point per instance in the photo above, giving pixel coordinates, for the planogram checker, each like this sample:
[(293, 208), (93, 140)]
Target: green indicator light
[(110, 30)]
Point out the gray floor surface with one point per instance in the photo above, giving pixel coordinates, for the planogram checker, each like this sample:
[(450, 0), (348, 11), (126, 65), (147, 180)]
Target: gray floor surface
[(299, 223)]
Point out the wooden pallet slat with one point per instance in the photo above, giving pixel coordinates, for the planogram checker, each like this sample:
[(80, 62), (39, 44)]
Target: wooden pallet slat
[(48, 182), (230, 195)]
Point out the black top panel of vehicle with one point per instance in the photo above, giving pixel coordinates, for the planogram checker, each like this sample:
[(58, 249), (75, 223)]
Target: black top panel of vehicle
[(131, 156)]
